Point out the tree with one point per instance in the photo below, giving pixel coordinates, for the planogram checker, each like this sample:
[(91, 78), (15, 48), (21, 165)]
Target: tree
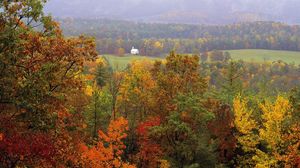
[(150, 153), (246, 127), (157, 47), (109, 148), (291, 158), (273, 117), (120, 52), (215, 56), (40, 72), (231, 84), (103, 72), (273, 142), (222, 129), (183, 135), (24, 150), (111, 79), (36, 68), (114, 85), (98, 112), (136, 92), (179, 75)]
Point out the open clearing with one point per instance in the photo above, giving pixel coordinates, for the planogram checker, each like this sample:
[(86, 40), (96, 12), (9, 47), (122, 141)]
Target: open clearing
[(248, 55)]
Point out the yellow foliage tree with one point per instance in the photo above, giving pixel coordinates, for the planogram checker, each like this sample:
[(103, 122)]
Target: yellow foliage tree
[(270, 135), (136, 92), (158, 45), (245, 124), (164, 164), (273, 116)]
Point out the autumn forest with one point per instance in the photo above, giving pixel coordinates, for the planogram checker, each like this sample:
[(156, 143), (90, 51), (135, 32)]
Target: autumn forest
[(63, 104)]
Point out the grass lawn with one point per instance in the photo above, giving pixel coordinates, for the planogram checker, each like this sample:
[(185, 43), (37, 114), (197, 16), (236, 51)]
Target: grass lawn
[(122, 62), (247, 55), (265, 55)]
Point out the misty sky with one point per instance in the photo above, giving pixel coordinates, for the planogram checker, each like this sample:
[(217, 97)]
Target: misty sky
[(285, 10)]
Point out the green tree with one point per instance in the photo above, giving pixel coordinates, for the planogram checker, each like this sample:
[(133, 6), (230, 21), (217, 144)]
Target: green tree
[(184, 135), (98, 113), (231, 83), (103, 73)]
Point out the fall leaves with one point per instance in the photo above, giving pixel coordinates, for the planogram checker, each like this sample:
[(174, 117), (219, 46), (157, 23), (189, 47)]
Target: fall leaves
[(60, 107), (109, 149), (264, 142), (39, 76)]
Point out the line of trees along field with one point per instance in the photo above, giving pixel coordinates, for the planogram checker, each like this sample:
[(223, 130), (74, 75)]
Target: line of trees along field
[(117, 37), (62, 106)]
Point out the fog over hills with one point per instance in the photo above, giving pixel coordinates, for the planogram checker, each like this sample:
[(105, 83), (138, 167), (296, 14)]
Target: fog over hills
[(180, 11)]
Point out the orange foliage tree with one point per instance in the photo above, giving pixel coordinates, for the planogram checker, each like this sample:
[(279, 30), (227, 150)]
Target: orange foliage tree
[(109, 148)]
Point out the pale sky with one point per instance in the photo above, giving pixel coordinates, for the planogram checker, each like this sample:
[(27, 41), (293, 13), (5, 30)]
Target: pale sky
[(128, 9)]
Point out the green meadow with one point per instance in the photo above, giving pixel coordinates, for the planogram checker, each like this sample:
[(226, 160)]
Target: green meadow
[(265, 55), (248, 55)]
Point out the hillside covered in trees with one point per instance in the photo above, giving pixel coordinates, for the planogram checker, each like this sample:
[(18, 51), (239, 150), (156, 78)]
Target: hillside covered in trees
[(62, 105), (156, 39)]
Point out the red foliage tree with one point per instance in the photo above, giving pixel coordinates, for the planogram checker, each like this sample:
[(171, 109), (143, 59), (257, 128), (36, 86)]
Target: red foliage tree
[(149, 152), (222, 129), (29, 149)]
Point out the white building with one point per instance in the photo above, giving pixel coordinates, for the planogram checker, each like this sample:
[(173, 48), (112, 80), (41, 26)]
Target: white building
[(135, 51)]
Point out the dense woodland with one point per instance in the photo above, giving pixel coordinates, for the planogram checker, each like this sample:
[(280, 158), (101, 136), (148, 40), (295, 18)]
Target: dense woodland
[(117, 37), (62, 105)]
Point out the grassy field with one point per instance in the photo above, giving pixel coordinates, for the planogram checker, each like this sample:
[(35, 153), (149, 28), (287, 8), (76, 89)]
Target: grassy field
[(246, 55), (122, 62), (265, 55)]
